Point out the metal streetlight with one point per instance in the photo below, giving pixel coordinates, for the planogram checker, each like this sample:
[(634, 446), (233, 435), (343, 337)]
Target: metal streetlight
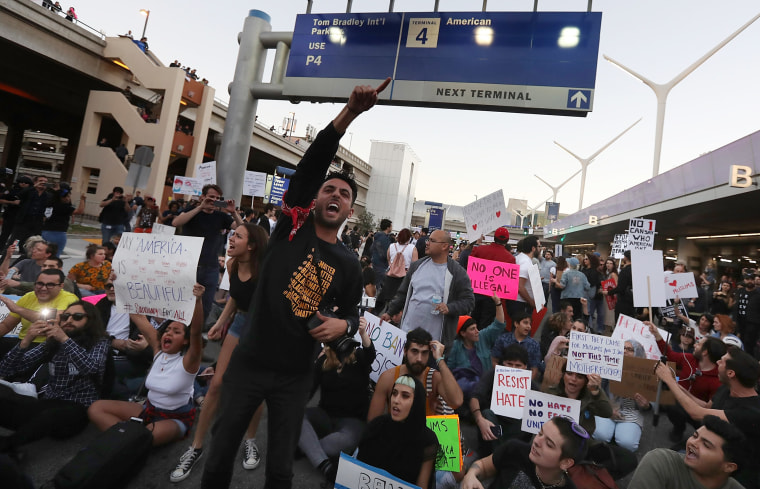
[(146, 13), (555, 190)]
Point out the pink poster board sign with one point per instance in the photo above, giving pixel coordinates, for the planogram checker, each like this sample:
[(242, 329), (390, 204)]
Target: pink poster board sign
[(488, 276)]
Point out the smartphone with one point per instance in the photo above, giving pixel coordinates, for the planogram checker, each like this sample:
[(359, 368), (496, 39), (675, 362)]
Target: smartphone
[(369, 302), (221, 204), (44, 313), (10, 275), (496, 430)]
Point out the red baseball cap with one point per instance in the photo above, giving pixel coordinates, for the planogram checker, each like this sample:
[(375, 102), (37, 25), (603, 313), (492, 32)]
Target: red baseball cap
[(501, 235)]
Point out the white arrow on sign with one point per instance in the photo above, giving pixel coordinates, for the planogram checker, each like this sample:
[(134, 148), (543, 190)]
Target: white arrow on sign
[(579, 99)]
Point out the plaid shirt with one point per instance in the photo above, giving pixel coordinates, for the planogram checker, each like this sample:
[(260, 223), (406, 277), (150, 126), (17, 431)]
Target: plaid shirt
[(75, 373)]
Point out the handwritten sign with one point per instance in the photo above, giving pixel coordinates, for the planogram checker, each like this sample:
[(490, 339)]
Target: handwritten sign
[(353, 474), (485, 215), (446, 428), (389, 344), (540, 408), (488, 276), (641, 234), (680, 285), (619, 245), (155, 275), (646, 271), (4, 312), (611, 299), (206, 172), (639, 378), (595, 354), (669, 310), (534, 277), (159, 228), (630, 328), (254, 183), (553, 372), (187, 186), (509, 387)]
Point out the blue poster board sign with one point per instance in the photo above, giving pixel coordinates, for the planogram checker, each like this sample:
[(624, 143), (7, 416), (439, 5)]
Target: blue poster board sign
[(279, 186), (537, 62), (435, 219)]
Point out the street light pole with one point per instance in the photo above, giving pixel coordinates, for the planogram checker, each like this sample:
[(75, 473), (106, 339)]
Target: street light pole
[(146, 13), (661, 90), (555, 190)]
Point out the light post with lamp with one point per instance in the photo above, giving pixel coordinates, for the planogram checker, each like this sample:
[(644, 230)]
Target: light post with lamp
[(146, 13)]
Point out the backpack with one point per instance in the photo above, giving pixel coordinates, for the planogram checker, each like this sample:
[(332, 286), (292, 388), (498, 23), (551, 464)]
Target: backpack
[(398, 266), (589, 475)]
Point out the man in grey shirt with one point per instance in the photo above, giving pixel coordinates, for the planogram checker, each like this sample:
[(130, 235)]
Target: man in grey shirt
[(546, 268)]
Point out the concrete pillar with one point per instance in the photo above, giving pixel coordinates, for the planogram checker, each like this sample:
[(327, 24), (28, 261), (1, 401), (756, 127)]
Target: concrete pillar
[(603, 248), (689, 254), (69, 159), (12, 148)]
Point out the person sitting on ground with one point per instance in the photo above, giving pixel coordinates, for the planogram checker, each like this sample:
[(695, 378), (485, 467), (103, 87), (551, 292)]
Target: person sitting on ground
[(724, 328), (560, 344), (520, 334), (337, 423), (558, 324), (27, 269), (541, 464), (684, 341), (400, 441), (169, 411), (714, 453), (73, 349), (704, 327), (91, 275)]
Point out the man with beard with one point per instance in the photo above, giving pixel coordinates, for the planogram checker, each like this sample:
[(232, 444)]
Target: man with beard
[(439, 382), (308, 290), (747, 331)]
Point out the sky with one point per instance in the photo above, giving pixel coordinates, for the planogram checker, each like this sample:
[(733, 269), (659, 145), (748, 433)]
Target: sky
[(473, 153)]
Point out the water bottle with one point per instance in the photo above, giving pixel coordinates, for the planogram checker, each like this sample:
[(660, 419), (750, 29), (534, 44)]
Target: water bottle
[(436, 299)]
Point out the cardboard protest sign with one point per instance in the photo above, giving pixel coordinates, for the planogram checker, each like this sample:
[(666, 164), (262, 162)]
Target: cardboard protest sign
[(639, 377), (680, 285), (646, 269), (353, 474), (611, 299), (535, 284), (155, 275), (485, 215), (641, 234), (206, 172), (159, 228), (488, 276), (630, 328), (595, 354), (553, 371), (254, 183), (619, 245), (509, 387), (187, 186), (389, 344), (540, 408), (446, 428)]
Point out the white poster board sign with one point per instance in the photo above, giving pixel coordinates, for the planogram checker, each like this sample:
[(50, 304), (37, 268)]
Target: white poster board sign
[(540, 408), (630, 328), (159, 228), (206, 173), (538, 289), (595, 354), (353, 474), (389, 344), (254, 183), (647, 272), (187, 186), (485, 215), (4, 312), (680, 285), (155, 275), (619, 245), (641, 234), (509, 388)]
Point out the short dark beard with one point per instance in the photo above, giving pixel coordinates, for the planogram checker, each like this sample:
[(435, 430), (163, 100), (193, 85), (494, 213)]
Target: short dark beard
[(412, 370)]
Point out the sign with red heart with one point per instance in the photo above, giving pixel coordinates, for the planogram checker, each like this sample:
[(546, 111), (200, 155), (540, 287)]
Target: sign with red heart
[(681, 285), (485, 215)]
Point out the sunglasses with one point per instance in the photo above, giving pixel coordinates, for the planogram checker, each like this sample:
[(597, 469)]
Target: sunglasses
[(578, 430), (77, 316), (49, 285)]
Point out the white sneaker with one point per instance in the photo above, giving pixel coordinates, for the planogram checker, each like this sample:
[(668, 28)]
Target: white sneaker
[(251, 457), (186, 463)]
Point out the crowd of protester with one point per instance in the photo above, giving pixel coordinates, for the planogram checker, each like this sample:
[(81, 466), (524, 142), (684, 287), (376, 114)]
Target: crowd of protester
[(296, 283)]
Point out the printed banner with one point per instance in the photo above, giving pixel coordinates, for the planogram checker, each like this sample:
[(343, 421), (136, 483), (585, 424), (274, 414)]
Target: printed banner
[(353, 474), (389, 344), (187, 186), (540, 408), (619, 245), (538, 290), (595, 354), (485, 215), (641, 234), (488, 276), (630, 328), (639, 378), (611, 299), (680, 285), (254, 183), (206, 172), (155, 275), (446, 428), (646, 271), (509, 387), (278, 189), (435, 218)]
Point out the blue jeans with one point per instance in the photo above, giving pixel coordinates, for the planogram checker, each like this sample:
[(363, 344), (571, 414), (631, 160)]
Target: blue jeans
[(626, 434), (208, 276), (57, 237), (110, 230), (600, 306)]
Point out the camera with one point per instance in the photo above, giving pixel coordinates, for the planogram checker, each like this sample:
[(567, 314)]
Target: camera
[(220, 204), (343, 346)]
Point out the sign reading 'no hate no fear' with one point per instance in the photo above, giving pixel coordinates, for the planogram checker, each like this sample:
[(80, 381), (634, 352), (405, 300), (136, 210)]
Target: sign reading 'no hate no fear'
[(489, 277), (540, 408)]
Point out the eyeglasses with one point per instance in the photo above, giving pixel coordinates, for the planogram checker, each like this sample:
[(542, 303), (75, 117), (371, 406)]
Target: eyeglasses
[(47, 286), (77, 316), (108, 286), (439, 242), (629, 348)]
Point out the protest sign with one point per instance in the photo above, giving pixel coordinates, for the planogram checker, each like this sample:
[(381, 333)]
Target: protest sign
[(155, 275), (277, 188), (254, 183), (641, 234), (680, 285), (534, 277), (630, 328), (206, 173), (619, 245), (488, 276), (159, 228), (509, 387), (646, 269), (540, 408), (485, 215), (187, 186), (353, 474), (553, 372), (595, 354), (669, 310), (446, 428), (4, 312), (389, 344), (639, 378), (611, 299)]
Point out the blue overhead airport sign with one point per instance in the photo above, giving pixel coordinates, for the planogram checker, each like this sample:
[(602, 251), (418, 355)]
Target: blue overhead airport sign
[(537, 62)]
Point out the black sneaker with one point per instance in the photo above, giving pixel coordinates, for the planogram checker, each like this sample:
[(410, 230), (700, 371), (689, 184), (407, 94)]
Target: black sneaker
[(186, 463)]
